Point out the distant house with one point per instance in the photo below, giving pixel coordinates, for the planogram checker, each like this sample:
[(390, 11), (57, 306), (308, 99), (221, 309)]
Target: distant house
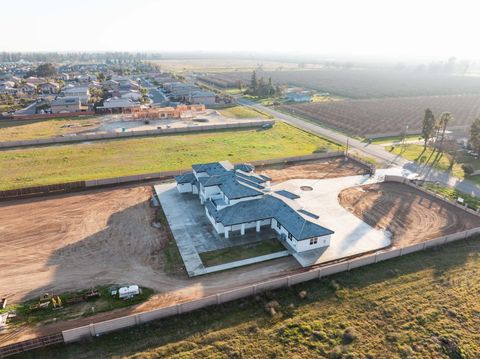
[(202, 97), (111, 85), (49, 88), (132, 95), (128, 85), (28, 88), (7, 90), (7, 87), (236, 199), (82, 92), (64, 76), (115, 105), (67, 104), (35, 80), (299, 96)]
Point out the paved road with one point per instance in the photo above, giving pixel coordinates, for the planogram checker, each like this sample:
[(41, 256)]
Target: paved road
[(423, 172), (372, 150)]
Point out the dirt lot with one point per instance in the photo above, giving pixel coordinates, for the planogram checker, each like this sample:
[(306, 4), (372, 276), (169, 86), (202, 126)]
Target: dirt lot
[(313, 169), (99, 237), (409, 214)]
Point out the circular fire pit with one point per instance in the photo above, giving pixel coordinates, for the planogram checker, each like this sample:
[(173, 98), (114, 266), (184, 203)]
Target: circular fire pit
[(306, 188)]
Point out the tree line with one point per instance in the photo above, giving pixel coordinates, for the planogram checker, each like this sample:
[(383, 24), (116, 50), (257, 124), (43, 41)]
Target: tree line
[(261, 88), (433, 130)]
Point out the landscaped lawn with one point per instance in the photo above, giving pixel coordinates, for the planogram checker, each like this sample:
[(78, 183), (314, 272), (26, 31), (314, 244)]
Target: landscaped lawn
[(394, 139), (453, 194), (113, 158), (430, 157), (422, 305), (237, 253), (18, 130), (242, 112)]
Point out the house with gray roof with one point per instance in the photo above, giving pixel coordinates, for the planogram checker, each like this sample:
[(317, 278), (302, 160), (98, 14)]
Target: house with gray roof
[(236, 199)]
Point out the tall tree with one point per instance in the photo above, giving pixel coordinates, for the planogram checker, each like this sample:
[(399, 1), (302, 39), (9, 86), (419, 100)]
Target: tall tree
[(46, 70), (445, 119), (428, 127), (475, 135), (254, 82)]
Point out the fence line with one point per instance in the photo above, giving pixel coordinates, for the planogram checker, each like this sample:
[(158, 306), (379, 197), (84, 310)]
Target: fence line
[(90, 184), (105, 136), (95, 329), (406, 181), (31, 344), (100, 328)]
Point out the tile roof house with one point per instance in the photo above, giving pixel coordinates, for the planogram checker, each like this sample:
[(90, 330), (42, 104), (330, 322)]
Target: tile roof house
[(237, 199), (67, 104)]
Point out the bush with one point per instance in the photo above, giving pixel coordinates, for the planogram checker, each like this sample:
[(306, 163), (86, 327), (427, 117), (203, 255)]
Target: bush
[(349, 335), (468, 169)]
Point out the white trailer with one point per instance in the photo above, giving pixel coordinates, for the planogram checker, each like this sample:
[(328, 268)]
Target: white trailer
[(128, 291)]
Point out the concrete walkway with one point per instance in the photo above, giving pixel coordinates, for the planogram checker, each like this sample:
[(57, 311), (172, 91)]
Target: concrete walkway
[(245, 262)]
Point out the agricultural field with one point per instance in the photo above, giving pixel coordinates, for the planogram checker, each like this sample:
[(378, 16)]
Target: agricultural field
[(242, 112), (417, 306), (113, 158), (382, 117), (358, 83), (18, 130), (220, 65)]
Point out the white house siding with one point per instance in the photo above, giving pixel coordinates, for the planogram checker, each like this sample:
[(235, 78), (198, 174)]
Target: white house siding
[(237, 200), (304, 245), (184, 187)]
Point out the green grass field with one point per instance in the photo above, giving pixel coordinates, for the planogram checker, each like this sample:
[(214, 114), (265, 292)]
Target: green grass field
[(237, 253), (18, 130), (430, 157), (393, 139), (423, 305), (453, 194), (243, 112), (113, 158)]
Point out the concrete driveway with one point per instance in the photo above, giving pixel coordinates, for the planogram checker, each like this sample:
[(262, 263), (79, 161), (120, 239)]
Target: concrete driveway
[(352, 236)]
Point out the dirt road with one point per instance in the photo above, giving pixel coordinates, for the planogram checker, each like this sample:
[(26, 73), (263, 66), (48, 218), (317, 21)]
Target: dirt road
[(409, 214)]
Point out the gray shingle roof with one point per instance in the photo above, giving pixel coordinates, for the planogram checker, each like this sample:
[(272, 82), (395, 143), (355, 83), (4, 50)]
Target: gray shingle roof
[(245, 167), (187, 177), (265, 208), (287, 194), (213, 168)]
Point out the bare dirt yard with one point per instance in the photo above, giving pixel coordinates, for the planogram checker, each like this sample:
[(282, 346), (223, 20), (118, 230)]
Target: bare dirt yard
[(317, 169), (76, 241), (410, 215)]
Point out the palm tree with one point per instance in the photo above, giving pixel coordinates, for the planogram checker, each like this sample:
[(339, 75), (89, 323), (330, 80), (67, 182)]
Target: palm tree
[(445, 119)]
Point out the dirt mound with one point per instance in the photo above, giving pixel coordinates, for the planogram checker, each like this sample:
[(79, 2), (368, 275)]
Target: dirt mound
[(410, 215)]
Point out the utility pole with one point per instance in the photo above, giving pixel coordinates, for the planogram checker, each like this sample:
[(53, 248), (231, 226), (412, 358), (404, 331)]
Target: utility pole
[(404, 138), (346, 149)]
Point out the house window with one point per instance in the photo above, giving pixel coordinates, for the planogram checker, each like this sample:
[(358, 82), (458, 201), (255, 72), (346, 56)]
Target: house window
[(279, 226), (290, 236), (313, 241)]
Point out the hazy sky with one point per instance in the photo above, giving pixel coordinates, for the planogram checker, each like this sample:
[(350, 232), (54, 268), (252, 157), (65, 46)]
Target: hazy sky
[(348, 27)]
